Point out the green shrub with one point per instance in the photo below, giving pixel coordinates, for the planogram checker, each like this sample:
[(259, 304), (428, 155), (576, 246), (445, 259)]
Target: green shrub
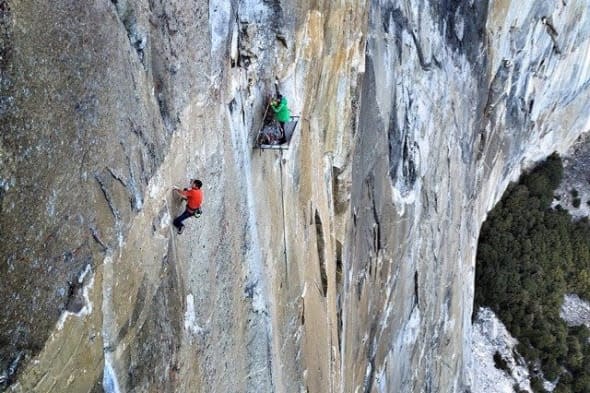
[(582, 384), (537, 385), (561, 388)]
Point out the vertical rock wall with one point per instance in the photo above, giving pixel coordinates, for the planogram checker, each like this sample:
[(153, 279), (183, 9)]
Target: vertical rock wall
[(92, 94), (458, 98), (342, 264), (239, 302)]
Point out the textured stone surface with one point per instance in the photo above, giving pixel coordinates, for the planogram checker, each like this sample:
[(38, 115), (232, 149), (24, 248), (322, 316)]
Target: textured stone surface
[(576, 183), (342, 264), (575, 311), (491, 339), (453, 107), (87, 117)]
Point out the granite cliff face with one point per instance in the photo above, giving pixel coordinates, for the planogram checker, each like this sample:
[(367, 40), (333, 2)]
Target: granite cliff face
[(342, 264), (476, 93)]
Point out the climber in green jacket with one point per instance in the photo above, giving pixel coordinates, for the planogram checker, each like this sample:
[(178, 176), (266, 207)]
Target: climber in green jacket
[(281, 110)]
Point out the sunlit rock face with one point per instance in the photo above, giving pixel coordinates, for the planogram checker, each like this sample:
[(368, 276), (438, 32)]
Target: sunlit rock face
[(457, 98), (492, 342), (575, 311), (344, 263), (573, 194)]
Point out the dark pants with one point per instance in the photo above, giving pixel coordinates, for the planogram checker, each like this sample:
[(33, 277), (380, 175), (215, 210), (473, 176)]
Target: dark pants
[(283, 137), (178, 220)]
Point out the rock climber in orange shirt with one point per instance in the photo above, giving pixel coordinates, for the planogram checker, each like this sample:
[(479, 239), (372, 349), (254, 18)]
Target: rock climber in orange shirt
[(194, 199)]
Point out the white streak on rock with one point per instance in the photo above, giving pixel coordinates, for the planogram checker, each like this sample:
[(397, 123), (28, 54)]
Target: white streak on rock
[(190, 318), (51, 203), (459, 24), (412, 328), (87, 309), (110, 384)]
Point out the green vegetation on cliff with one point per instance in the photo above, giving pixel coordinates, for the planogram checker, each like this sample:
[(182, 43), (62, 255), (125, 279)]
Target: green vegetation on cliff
[(529, 256)]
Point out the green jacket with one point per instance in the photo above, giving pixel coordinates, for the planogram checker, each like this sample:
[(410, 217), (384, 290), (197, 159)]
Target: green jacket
[(281, 111)]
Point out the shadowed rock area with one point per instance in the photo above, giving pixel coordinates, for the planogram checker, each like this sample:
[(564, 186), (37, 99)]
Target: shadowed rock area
[(66, 199), (86, 123)]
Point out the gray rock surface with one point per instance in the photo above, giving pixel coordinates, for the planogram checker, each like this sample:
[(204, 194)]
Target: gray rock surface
[(573, 193), (491, 339), (575, 311), (444, 126), (342, 264)]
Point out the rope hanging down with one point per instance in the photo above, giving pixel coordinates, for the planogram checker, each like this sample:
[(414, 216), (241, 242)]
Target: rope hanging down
[(171, 231), (284, 226)]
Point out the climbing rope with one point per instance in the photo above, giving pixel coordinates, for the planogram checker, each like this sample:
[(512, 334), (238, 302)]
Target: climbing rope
[(177, 268), (175, 251), (284, 226)]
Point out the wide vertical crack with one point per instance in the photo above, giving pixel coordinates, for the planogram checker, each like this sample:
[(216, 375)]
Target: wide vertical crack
[(137, 37), (321, 252)]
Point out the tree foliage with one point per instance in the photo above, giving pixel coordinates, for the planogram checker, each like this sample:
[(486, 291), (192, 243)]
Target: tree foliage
[(529, 256)]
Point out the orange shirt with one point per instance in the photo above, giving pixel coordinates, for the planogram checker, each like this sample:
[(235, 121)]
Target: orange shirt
[(194, 198)]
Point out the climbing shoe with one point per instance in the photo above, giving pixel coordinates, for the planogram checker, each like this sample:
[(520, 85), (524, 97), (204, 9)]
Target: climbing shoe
[(179, 229)]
